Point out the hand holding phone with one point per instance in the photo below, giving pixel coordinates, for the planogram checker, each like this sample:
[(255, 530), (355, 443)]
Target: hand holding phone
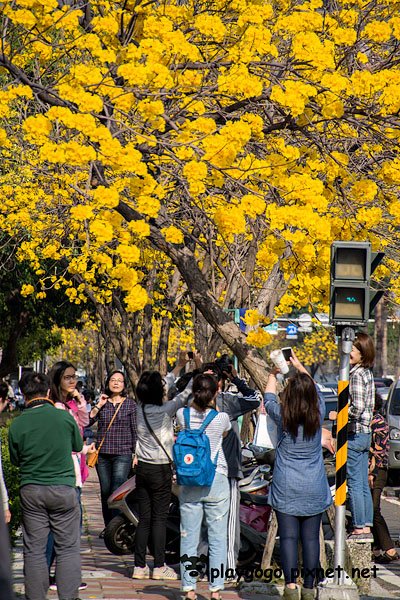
[(287, 353), (190, 355)]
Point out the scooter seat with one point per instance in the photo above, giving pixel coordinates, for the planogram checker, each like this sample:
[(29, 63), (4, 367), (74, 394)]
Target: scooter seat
[(266, 458), (246, 498)]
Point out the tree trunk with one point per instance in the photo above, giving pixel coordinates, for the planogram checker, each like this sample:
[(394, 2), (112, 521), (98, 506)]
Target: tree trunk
[(9, 357), (162, 349), (147, 336), (171, 300), (381, 314), (199, 290), (270, 542)]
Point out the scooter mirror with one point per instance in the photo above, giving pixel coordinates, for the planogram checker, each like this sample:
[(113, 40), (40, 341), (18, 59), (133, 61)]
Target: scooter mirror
[(265, 469), (247, 454)]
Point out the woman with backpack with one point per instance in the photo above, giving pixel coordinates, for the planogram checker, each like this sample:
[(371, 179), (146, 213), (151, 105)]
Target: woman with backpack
[(299, 492), (199, 500)]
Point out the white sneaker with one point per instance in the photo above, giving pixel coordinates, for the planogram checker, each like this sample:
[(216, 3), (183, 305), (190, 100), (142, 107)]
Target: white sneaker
[(141, 573), (164, 572)]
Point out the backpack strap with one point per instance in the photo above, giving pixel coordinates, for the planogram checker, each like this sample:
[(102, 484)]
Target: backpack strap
[(211, 415), (186, 416)]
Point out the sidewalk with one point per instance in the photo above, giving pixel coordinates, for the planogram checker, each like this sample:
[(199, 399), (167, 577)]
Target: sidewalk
[(109, 577)]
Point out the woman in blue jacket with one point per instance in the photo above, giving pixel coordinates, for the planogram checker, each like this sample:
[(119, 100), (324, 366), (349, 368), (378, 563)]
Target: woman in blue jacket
[(299, 491)]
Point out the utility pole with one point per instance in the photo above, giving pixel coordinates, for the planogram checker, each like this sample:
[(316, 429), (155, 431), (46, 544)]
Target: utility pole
[(351, 303)]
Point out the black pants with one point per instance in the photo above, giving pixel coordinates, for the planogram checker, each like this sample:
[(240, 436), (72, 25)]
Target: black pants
[(290, 528), (382, 539), (153, 484)]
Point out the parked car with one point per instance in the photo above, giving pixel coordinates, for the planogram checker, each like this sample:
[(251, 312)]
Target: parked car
[(383, 381), (393, 419), (330, 404), (383, 392), (330, 385)]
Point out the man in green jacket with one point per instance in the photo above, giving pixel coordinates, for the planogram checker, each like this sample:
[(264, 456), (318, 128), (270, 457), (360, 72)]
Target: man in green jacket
[(41, 441)]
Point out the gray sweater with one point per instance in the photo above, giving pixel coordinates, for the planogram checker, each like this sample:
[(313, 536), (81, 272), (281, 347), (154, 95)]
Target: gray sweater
[(160, 419)]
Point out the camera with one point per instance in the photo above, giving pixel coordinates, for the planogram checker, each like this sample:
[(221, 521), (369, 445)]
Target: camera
[(224, 363)]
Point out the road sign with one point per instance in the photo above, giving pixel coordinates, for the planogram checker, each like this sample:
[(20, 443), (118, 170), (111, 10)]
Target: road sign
[(323, 318), (272, 328), (305, 325), (291, 329), (291, 332)]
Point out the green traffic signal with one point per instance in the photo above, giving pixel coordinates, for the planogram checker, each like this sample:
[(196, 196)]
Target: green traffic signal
[(351, 266)]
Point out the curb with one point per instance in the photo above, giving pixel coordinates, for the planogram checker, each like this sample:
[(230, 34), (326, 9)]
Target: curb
[(391, 492)]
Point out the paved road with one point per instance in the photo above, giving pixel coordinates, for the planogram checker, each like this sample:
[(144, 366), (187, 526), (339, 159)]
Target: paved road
[(109, 577)]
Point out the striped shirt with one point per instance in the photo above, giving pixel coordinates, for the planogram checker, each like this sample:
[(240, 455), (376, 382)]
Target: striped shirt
[(214, 432), (362, 399)]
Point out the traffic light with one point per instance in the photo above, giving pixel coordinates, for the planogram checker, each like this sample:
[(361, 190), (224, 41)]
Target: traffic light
[(352, 264)]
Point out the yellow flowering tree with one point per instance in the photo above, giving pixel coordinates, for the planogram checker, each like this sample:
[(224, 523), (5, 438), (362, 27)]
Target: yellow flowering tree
[(232, 140), (317, 348)]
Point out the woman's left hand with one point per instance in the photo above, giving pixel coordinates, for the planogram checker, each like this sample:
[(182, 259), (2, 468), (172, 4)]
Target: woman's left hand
[(297, 364), (327, 440), (89, 448)]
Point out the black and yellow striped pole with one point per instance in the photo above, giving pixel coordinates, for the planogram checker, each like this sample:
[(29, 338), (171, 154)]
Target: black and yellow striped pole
[(346, 344)]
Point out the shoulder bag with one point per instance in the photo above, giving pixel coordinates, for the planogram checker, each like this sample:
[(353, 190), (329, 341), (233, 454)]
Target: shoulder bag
[(94, 456)]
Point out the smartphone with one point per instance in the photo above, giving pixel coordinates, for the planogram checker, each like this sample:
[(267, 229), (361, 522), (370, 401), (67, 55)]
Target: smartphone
[(190, 355), (287, 353)]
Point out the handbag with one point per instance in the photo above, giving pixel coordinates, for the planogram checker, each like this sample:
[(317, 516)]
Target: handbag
[(93, 457), (266, 432)]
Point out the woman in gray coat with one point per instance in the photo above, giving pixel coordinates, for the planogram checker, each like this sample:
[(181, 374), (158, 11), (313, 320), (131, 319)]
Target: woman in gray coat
[(299, 491)]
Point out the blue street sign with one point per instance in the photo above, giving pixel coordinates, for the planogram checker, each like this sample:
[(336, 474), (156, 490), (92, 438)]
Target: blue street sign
[(242, 324), (291, 329), (272, 328)]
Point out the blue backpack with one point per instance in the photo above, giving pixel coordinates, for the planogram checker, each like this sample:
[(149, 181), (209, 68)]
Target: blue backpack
[(192, 454)]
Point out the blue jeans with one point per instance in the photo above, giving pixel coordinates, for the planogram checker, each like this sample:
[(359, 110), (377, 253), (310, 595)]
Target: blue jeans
[(212, 503), (361, 506), (113, 470)]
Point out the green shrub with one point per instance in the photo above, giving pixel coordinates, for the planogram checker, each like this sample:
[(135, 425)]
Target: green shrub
[(11, 477)]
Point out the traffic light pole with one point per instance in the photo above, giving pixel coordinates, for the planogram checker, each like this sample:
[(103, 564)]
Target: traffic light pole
[(341, 586), (346, 344)]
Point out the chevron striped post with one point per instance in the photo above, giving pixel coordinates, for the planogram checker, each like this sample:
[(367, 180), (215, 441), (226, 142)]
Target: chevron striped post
[(346, 344)]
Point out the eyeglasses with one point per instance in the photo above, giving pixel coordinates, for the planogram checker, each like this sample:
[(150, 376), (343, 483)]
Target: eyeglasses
[(70, 377), (117, 381)]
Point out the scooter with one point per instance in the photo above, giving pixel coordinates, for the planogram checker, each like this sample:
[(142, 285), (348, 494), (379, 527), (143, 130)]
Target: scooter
[(255, 513), (119, 535)]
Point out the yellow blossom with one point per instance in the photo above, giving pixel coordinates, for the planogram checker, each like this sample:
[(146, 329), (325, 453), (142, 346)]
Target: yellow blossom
[(172, 234), (258, 338)]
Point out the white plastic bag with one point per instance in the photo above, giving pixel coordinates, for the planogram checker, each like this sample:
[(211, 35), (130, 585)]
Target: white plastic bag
[(266, 433)]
